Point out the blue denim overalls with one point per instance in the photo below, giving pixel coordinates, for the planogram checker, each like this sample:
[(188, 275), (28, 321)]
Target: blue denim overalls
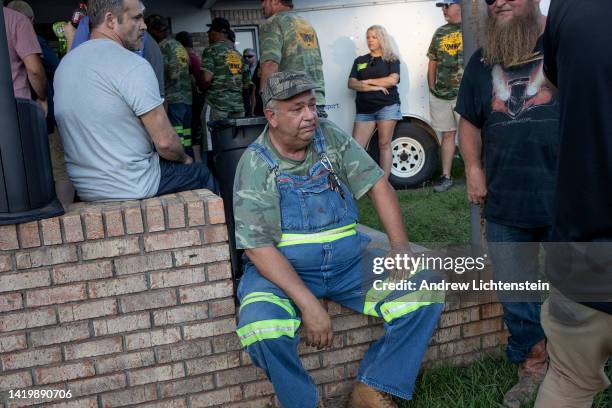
[(320, 241)]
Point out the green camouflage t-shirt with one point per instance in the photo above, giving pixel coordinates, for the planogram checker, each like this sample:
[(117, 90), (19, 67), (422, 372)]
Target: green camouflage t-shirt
[(176, 67), (256, 198), (447, 50), (291, 42), (229, 75)]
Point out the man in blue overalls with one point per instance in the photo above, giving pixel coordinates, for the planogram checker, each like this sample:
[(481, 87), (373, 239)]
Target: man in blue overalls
[(296, 215)]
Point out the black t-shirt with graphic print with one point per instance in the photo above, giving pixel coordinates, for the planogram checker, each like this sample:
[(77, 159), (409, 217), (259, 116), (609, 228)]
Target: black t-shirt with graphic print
[(519, 118), (368, 67)]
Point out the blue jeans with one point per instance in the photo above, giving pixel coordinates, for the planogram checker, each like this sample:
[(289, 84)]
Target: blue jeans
[(179, 115), (517, 263), (391, 112), (176, 177)]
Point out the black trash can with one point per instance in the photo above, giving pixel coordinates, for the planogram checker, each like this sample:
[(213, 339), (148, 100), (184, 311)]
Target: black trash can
[(230, 139), (27, 190)]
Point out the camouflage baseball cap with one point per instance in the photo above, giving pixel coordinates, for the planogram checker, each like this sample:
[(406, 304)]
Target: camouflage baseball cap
[(284, 85)]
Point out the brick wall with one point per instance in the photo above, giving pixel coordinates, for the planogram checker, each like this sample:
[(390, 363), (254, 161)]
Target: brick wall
[(131, 304)]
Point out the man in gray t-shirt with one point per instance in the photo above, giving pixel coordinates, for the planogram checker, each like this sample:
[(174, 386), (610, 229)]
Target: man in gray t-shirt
[(118, 141)]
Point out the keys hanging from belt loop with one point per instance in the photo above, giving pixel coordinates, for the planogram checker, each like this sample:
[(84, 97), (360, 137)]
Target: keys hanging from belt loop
[(332, 180)]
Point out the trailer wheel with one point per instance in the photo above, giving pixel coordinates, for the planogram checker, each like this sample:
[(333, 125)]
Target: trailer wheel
[(415, 155)]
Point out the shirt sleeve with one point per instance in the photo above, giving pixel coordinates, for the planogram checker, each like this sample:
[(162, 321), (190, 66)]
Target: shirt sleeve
[(256, 204), (469, 101), (432, 53), (26, 42), (140, 90), (550, 45), (208, 60), (271, 41), (354, 73), (357, 169), (394, 67)]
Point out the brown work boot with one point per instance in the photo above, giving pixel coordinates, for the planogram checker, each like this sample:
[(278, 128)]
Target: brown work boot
[(364, 396), (531, 373)]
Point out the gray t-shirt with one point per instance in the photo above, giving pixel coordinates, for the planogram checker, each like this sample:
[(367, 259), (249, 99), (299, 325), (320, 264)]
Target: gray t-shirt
[(101, 89)]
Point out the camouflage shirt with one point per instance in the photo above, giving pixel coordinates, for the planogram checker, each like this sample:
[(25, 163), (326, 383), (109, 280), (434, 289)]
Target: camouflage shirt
[(176, 68), (447, 50), (256, 198), (229, 75), (291, 42)]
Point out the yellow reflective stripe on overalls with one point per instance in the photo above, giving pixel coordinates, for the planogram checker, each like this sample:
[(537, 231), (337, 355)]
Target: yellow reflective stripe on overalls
[(318, 237), (372, 298), (409, 303), (268, 297), (267, 329)]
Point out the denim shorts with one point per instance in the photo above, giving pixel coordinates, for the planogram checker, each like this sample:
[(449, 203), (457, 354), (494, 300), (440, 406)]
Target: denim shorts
[(391, 112)]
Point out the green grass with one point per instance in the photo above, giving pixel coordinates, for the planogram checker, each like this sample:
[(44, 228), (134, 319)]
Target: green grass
[(441, 218), (481, 385)]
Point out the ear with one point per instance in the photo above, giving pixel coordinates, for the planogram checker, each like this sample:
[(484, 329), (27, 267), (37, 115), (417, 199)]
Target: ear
[(110, 20), (271, 117)]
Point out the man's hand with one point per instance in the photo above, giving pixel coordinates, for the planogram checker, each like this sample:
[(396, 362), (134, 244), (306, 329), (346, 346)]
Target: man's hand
[(476, 185), (188, 159), (317, 325)]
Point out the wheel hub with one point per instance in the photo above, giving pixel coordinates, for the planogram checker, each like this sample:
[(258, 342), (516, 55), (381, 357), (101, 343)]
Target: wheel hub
[(408, 157)]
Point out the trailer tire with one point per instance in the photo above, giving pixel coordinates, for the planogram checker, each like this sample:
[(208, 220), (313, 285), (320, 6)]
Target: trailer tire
[(415, 155)]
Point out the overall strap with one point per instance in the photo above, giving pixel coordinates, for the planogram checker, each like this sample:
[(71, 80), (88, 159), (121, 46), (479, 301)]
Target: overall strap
[(319, 141), (263, 152)]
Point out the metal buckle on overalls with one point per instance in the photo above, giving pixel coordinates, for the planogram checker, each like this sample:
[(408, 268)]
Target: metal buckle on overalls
[(332, 180)]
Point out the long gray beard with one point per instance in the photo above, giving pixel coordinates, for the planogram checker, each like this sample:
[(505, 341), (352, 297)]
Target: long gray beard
[(511, 43)]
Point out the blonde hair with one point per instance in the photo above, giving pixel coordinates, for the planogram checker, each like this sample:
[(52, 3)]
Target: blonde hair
[(384, 39)]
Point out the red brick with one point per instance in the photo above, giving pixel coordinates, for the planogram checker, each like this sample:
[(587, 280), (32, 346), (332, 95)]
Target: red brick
[(236, 376), (310, 362), (327, 375), (97, 385), (15, 381), (459, 317), (459, 347), (333, 308), (224, 343), (216, 212), (266, 402), (213, 363), (118, 286), (94, 227), (491, 310), (176, 214), (177, 277), (87, 310), (133, 220), (482, 327), (73, 230), (345, 355), (214, 234), (6, 263), (180, 314), (494, 340), (431, 354), (187, 386), (8, 238), (184, 351), (341, 323), (27, 320), (113, 220), (110, 249), (447, 334), (173, 239), (218, 271), (143, 263), (82, 272), (198, 256), (60, 334), (91, 402), (46, 256), (217, 397), (202, 293), (75, 351), (11, 301), (24, 280), (195, 213), (257, 389), (359, 336), (208, 329), (341, 388), (31, 358), (130, 396), (28, 234), (175, 403), (121, 324), (156, 374), (125, 361), (56, 295), (222, 308), (152, 338), (148, 300), (13, 342), (155, 217)]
